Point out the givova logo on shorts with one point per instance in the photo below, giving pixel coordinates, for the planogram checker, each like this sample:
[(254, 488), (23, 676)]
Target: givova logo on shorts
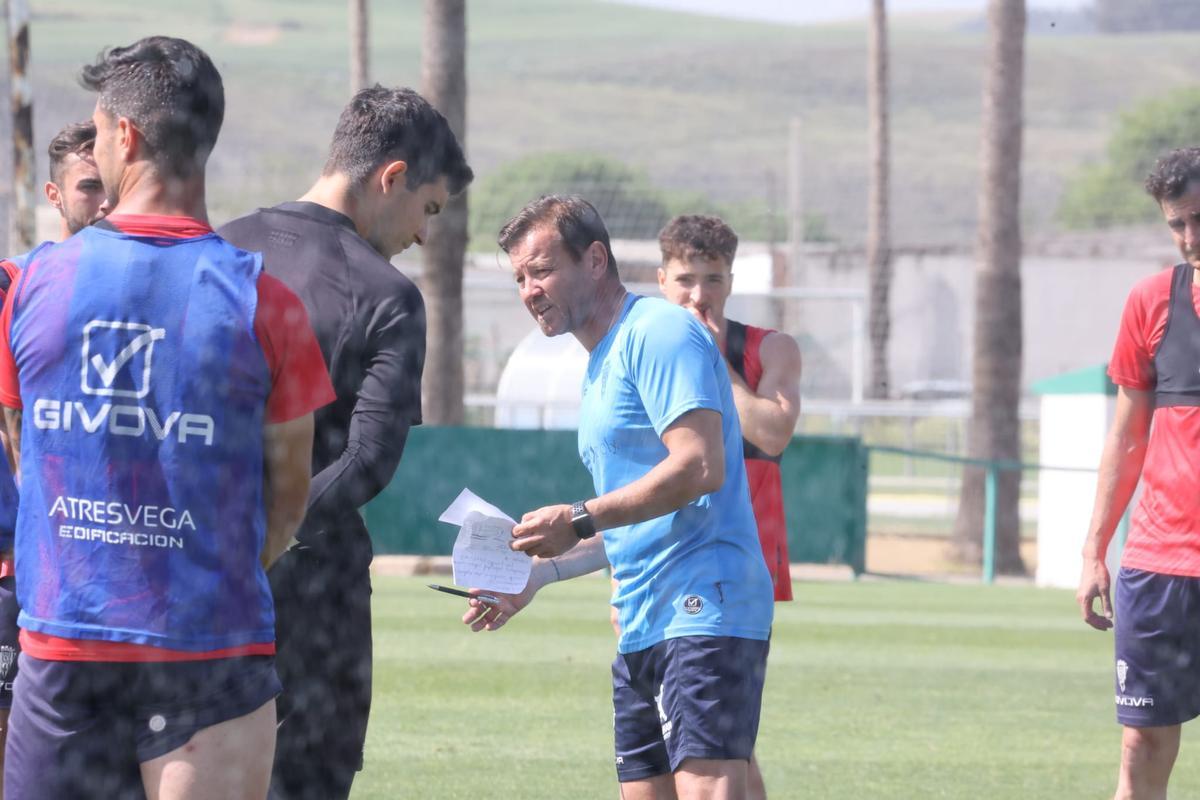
[(1124, 700)]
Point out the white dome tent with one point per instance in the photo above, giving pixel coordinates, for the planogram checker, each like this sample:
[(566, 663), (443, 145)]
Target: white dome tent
[(540, 384), (539, 387)]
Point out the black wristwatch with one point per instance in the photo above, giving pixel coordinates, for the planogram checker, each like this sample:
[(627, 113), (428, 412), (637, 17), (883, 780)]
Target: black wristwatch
[(581, 521)]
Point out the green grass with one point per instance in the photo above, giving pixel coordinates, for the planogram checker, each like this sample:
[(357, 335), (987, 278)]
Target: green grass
[(875, 690)]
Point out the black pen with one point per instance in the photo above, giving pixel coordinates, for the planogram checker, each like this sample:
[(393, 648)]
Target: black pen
[(483, 598)]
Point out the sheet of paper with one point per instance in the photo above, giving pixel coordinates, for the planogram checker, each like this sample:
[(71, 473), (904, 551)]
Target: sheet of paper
[(466, 502), (483, 559)]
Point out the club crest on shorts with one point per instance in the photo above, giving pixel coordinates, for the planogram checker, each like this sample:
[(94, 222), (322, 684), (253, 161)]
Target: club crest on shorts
[(8, 655), (693, 604), (1122, 671)]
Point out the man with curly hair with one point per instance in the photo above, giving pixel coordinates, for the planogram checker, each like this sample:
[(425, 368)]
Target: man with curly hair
[(1154, 439)]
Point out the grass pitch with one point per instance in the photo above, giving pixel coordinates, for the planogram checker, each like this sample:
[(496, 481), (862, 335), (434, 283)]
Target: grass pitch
[(874, 690)]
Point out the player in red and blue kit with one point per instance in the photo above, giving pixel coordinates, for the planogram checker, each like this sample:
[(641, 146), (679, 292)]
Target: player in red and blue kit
[(75, 190), (159, 392), (1154, 441)]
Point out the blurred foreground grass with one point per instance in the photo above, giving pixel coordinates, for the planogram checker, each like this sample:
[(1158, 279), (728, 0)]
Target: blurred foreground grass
[(875, 689)]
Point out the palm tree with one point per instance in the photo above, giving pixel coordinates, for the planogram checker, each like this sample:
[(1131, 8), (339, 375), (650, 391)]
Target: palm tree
[(879, 257), (444, 84), (24, 227), (994, 431), (360, 48)]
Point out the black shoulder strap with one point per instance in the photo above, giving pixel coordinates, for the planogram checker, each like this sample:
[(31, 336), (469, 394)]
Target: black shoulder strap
[(735, 346)]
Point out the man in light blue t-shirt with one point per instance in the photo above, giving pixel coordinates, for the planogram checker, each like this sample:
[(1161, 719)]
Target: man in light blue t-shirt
[(659, 433)]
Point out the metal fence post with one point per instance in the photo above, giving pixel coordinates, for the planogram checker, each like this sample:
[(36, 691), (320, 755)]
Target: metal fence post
[(989, 526)]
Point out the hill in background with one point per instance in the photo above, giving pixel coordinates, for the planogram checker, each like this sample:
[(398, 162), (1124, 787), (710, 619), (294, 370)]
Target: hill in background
[(702, 104)]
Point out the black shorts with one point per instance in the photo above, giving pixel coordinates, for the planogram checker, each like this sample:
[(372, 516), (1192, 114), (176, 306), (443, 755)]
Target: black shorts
[(1157, 638), (323, 653), (10, 646), (80, 729), (691, 697)]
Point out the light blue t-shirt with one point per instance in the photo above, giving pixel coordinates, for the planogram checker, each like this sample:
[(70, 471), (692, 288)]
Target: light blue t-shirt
[(698, 571)]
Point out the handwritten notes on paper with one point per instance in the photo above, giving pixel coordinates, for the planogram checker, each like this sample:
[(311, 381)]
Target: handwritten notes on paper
[(482, 557)]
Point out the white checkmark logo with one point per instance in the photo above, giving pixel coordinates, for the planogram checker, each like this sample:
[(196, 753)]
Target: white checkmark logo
[(108, 372), (98, 373)]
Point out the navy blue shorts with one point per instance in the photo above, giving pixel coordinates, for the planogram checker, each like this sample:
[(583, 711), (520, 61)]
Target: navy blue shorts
[(1157, 627), (10, 647), (80, 729), (691, 697)]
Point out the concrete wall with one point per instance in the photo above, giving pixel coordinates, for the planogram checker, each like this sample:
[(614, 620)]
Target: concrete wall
[(1072, 298)]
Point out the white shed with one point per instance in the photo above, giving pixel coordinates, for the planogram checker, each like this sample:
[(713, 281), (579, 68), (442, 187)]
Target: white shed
[(1076, 411)]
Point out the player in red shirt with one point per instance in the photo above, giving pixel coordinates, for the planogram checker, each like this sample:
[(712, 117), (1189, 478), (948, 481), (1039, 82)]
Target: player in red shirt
[(74, 188), (764, 369), (1154, 364)]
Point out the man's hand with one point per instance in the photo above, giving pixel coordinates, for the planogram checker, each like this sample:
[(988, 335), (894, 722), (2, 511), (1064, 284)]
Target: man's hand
[(483, 616), (546, 532), (707, 321), (1093, 585)]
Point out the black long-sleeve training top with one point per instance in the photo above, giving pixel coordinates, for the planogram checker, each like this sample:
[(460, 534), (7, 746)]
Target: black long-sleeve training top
[(370, 322)]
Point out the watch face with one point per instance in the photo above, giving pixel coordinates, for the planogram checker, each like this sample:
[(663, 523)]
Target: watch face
[(581, 521)]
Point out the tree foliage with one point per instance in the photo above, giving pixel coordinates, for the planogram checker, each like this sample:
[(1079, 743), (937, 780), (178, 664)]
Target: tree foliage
[(632, 206), (1110, 192)]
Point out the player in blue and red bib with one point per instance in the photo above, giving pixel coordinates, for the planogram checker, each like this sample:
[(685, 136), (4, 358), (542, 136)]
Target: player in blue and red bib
[(158, 392), (75, 190)]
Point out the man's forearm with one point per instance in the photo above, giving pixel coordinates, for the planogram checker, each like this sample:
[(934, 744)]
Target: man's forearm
[(694, 466), (586, 557), (363, 470), (1117, 479), (287, 455), (282, 523), (12, 441), (765, 423), (666, 488)]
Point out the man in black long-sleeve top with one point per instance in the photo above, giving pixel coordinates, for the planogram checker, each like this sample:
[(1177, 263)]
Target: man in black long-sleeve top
[(393, 164)]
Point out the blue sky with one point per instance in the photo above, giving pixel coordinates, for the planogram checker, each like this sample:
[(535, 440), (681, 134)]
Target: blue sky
[(806, 11)]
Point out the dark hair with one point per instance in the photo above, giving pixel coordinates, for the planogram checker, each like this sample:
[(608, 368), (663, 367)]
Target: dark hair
[(171, 91), (381, 125), (577, 221), (691, 235), (78, 138), (1173, 172)]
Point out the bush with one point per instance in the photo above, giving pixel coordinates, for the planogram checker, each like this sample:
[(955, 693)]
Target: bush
[(1110, 192), (631, 205)]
